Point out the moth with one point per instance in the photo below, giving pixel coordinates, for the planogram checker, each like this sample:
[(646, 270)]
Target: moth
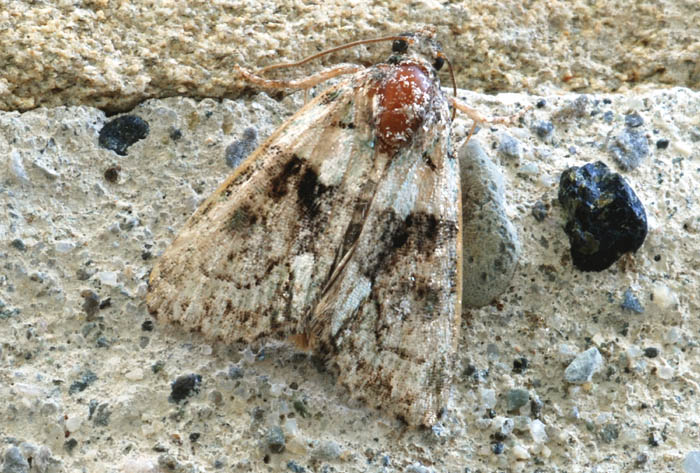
[(340, 232)]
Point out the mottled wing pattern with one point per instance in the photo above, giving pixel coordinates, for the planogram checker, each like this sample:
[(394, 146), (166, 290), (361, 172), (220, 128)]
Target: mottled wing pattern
[(324, 232), (254, 258), (391, 318)]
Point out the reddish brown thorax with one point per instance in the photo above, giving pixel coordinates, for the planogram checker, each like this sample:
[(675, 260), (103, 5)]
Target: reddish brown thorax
[(403, 98)]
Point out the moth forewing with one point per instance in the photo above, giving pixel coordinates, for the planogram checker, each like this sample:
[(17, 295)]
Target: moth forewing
[(342, 229)]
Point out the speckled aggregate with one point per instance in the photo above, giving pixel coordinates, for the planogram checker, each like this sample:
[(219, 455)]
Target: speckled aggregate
[(79, 232)]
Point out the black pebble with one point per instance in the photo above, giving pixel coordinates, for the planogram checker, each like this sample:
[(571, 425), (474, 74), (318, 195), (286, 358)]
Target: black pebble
[(86, 379), (112, 174), (19, 244), (184, 386), (605, 219), (69, 445), (541, 103), (651, 352), (147, 325), (175, 134), (123, 132), (194, 436), (520, 365), (662, 143), (497, 447)]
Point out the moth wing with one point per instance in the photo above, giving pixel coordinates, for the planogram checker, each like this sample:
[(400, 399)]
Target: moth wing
[(255, 257), (391, 317)]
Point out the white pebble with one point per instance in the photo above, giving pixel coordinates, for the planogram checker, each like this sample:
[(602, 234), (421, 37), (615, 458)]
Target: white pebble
[(488, 398), (73, 423), (17, 167), (65, 246), (520, 452), (691, 464), (682, 148), (673, 335), (134, 375), (537, 431), (108, 278), (664, 372), (664, 298)]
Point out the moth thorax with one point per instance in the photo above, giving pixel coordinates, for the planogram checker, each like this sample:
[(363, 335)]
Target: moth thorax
[(404, 96)]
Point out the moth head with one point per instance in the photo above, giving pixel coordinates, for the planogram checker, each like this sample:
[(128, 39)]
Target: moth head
[(418, 46), (422, 47)]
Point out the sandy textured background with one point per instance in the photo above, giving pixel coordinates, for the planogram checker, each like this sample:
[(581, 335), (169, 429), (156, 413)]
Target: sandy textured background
[(85, 380), (113, 54)]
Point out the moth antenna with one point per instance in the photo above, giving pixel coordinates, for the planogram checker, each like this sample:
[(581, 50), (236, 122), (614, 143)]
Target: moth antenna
[(454, 82), (332, 50)]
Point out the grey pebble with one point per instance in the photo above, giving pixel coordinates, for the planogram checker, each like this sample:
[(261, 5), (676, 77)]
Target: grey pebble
[(517, 398), (631, 302), (235, 372), (543, 128), (609, 433), (634, 120), (14, 461), (102, 415), (629, 148), (276, 441), (490, 245), (237, 151), (539, 211), (417, 468), (510, 147), (584, 366), (295, 467), (328, 450)]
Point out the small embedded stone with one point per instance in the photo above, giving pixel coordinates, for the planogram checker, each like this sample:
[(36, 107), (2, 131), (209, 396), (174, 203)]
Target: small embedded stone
[(651, 352), (517, 398), (14, 461), (237, 151), (275, 440), (185, 386), (634, 120), (662, 143), (122, 132), (629, 148), (631, 302), (520, 365), (584, 366), (543, 128)]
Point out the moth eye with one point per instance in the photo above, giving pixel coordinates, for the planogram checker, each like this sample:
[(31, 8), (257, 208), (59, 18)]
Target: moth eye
[(399, 46), (439, 62)]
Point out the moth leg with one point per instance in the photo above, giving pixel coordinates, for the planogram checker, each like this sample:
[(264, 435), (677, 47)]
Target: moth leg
[(304, 83), (478, 118)]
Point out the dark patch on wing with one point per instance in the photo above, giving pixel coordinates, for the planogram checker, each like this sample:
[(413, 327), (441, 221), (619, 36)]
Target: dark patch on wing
[(241, 219), (420, 233), (429, 161), (309, 191), (279, 183)]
